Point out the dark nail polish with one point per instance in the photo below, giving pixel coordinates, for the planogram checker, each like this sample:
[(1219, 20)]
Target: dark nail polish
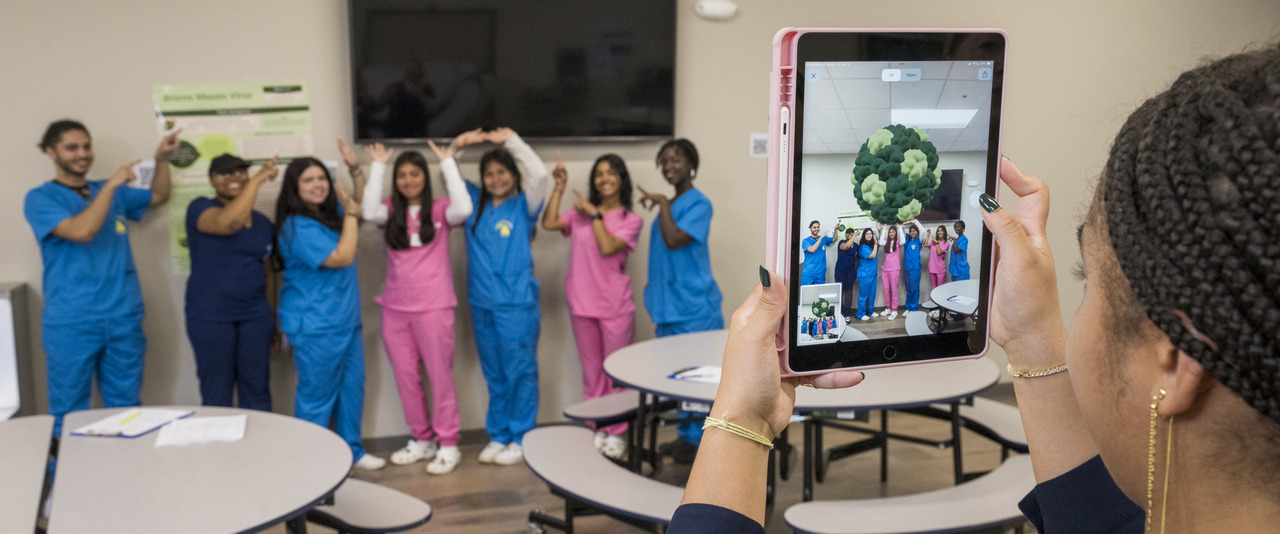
[(764, 277), (1005, 157), (988, 203)]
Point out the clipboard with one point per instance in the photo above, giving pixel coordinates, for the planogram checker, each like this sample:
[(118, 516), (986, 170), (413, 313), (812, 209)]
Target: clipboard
[(131, 423)]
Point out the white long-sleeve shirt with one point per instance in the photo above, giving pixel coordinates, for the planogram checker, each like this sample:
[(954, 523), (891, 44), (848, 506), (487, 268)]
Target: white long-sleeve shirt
[(375, 211)]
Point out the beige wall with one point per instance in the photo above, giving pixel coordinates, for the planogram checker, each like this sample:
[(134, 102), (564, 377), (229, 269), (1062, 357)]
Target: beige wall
[(1075, 70)]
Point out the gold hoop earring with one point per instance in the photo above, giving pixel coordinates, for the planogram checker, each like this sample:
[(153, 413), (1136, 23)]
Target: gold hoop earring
[(1151, 462)]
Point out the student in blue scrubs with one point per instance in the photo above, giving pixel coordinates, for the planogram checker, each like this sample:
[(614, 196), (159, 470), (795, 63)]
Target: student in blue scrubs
[(682, 295), (815, 246), (92, 320), (846, 273), (867, 276), (501, 288), (320, 303), (911, 265), (959, 268), (229, 320)]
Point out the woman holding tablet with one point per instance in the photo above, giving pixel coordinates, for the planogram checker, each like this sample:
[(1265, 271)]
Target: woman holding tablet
[(1159, 339), (418, 300), (603, 231), (320, 303)]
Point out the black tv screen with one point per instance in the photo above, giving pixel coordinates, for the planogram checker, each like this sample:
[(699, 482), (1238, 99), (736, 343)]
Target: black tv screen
[(547, 68)]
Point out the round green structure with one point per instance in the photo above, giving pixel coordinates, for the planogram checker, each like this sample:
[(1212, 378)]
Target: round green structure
[(895, 174)]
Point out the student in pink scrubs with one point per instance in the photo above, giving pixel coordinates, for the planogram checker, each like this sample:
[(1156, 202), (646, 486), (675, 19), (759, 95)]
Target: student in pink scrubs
[(418, 300), (891, 242), (938, 244), (603, 231)]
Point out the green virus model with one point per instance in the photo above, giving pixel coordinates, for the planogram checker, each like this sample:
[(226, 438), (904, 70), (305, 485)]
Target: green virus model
[(821, 308), (895, 174)]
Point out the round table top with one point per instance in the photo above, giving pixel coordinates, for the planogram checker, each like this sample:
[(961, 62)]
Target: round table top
[(106, 485), (647, 365), (963, 288), (24, 443)]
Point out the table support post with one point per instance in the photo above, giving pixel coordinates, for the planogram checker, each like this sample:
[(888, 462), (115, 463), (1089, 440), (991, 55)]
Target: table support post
[(955, 441), (809, 451)]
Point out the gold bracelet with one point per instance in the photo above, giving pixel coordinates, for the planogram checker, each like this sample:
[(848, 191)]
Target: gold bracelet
[(1037, 373), (737, 430)]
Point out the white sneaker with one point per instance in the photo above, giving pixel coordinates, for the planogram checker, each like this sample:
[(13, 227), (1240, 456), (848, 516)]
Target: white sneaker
[(614, 447), (599, 440), (511, 455), (865, 318), (415, 451), (369, 462), (491, 451), (875, 314), (893, 315), (446, 461)]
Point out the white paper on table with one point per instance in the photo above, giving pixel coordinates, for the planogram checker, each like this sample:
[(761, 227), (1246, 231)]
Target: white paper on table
[(203, 430), (702, 374), (131, 423), (962, 300)]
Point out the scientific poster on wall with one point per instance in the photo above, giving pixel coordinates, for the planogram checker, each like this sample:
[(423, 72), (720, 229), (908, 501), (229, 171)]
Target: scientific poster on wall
[(253, 121)]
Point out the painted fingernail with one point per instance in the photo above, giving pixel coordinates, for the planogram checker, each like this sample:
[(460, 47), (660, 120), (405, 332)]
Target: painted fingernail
[(1005, 157), (764, 277), (988, 203)]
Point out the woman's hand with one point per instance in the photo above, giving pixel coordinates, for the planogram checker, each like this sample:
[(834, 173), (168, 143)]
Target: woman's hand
[(559, 174), (348, 155), (652, 200), (350, 205), (499, 135), (468, 138), (752, 392), (441, 153), (1026, 318), (268, 171), (583, 206), (378, 152)]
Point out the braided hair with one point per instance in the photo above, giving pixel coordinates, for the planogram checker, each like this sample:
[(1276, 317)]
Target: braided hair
[(1205, 154)]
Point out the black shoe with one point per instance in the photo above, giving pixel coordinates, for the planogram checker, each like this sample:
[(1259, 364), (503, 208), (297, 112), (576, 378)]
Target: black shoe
[(666, 448), (684, 452)]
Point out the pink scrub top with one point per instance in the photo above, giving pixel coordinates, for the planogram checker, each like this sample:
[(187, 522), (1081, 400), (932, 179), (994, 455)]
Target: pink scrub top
[(892, 260), (938, 257), (598, 286), (420, 278)]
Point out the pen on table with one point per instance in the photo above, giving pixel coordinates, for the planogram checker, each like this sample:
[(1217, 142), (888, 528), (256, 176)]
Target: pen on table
[(131, 417)]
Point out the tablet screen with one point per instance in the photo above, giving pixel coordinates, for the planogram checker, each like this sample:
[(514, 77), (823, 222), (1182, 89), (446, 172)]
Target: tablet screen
[(896, 136)]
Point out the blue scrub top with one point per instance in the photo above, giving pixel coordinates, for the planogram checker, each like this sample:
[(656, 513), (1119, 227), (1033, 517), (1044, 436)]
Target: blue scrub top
[(911, 261), (499, 260), (228, 277), (867, 265), (960, 261), (681, 285), (815, 263), (86, 281), (315, 299)]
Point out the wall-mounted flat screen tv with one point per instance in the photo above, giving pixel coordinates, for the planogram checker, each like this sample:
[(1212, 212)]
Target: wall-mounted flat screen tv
[(547, 68)]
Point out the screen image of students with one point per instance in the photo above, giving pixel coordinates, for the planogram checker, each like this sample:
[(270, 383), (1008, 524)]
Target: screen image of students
[(603, 231), (891, 243), (681, 295), (846, 273), (938, 244), (959, 269), (92, 318), (814, 269), (418, 299), (501, 288), (230, 318), (911, 264), (867, 276), (316, 243)]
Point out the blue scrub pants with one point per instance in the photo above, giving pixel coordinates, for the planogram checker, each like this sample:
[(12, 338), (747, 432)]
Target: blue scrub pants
[(110, 348), (866, 295), (913, 289), (848, 287), (507, 340), (331, 382), (691, 432), (959, 273), (233, 355), (812, 279)]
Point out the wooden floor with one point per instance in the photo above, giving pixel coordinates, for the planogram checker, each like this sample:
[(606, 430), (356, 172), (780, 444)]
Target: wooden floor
[(490, 499)]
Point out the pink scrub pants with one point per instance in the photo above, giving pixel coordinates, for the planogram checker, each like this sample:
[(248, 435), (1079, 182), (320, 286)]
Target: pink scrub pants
[(889, 279), (426, 337), (937, 279), (597, 338)]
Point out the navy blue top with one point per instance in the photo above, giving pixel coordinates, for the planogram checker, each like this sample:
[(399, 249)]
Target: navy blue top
[(228, 277), (846, 260), (1080, 501)]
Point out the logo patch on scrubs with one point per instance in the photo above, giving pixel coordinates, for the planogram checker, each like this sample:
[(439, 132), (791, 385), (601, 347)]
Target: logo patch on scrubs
[(504, 228), (120, 227)]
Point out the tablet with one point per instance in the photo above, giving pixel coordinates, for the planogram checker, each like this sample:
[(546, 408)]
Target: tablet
[(881, 142)]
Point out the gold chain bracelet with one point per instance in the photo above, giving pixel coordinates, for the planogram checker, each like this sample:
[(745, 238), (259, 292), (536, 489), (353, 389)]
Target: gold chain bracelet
[(1036, 373), (737, 430)]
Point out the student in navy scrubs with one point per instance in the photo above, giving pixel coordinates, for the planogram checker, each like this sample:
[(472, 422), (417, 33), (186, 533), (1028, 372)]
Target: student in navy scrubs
[(92, 320), (682, 295), (320, 302), (229, 319), (501, 288)]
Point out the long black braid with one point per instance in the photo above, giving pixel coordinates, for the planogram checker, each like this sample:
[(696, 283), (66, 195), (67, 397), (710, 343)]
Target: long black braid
[(1192, 201)]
